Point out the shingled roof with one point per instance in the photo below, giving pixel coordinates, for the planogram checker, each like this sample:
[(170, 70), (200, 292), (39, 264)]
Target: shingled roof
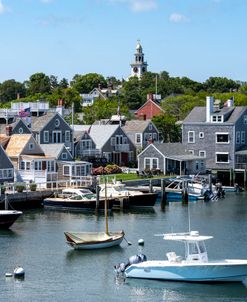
[(38, 122), (136, 125)]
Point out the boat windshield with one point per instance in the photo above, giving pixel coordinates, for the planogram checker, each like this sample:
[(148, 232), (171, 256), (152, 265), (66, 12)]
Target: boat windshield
[(193, 248), (120, 188)]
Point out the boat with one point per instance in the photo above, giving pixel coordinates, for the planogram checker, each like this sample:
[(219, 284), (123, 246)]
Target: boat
[(128, 198), (194, 267), (95, 240), (8, 217), (76, 201)]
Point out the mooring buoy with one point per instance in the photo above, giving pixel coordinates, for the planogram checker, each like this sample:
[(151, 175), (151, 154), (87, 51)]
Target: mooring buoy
[(141, 242), (19, 272)]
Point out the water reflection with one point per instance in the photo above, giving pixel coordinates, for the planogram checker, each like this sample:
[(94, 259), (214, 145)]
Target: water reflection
[(182, 291)]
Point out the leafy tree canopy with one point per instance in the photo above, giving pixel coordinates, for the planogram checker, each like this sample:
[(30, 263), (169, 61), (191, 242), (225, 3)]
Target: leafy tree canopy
[(10, 90), (86, 83)]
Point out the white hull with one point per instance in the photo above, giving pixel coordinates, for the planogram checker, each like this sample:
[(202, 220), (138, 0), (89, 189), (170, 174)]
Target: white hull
[(223, 271), (75, 241)]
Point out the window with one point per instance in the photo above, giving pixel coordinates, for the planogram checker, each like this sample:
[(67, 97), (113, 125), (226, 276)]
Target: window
[(222, 138), (191, 137), (201, 134), (113, 141), (145, 137), (22, 165), (119, 139), (245, 119), (202, 153), (151, 163), (46, 136), (20, 130), (86, 144), (138, 138), (64, 155), (31, 146), (66, 170), (57, 123), (50, 166), (28, 165), (38, 165), (237, 137), (155, 137), (222, 157), (125, 140), (56, 136), (150, 127), (67, 136), (217, 118), (242, 137)]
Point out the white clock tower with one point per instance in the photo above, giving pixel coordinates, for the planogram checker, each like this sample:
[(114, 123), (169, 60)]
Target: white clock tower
[(138, 67)]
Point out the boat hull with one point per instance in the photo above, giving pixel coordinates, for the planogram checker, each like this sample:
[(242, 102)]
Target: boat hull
[(7, 218), (64, 204), (226, 271), (116, 239), (146, 200)]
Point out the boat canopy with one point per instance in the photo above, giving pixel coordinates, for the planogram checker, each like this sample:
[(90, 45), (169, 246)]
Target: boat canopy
[(186, 237)]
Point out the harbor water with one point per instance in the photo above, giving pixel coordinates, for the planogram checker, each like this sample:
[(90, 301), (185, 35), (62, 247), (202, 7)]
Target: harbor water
[(55, 272)]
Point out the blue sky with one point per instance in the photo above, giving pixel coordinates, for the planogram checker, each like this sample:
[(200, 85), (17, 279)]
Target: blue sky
[(193, 38)]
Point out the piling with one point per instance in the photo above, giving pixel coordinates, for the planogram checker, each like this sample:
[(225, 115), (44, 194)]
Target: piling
[(210, 181), (150, 186), (245, 184), (185, 196), (163, 200), (97, 196)]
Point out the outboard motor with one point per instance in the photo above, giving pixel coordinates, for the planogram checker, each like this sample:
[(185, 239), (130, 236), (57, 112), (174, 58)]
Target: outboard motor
[(120, 268)]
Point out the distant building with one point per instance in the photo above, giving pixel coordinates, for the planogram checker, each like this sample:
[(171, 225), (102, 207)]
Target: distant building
[(138, 66), (149, 109), (219, 135)]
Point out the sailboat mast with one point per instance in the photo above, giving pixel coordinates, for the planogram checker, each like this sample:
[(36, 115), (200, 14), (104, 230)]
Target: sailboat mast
[(106, 212)]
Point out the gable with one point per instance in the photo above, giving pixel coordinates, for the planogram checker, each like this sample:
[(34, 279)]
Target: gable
[(65, 155), (21, 128), (32, 148), (57, 122), (5, 162)]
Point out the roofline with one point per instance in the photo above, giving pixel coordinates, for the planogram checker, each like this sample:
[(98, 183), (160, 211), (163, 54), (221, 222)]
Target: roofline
[(152, 102), (7, 156), (56, 113), (149, 147)]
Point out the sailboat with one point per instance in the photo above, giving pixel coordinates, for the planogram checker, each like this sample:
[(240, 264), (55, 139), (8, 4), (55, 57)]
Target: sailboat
[(95, 240), (8, 217)]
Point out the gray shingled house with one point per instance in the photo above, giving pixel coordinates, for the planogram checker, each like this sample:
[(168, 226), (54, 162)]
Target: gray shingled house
[(66, 168), (141, 133), (6, 167), (219, 135), (169, 158), (51, 128), (110, 141)]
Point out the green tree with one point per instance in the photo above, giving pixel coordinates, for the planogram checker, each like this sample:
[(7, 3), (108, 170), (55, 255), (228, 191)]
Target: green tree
[(11, 90), (170, 131), (64, 83), (219, 84), (132, 93), (86, 83), (38, 83)]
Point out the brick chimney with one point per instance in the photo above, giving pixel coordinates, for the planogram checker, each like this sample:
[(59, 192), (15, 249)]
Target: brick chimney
[(150, 97), (8, 130)]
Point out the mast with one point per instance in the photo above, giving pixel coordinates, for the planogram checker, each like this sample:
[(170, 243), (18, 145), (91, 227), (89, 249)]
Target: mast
[(106, 213)]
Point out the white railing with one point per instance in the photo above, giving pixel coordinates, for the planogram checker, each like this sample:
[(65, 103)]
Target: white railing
[(90, 152)]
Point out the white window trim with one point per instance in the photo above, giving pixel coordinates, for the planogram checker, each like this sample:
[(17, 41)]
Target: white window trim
[(57, 122), (222, 133), (20, 130), (31, 146), (65, 166), (238, 137), (150, 127), (204, 156), (67, 136), (220, 162), (245, 119), (219, 119), (201, 134), (242, 137), (140, 138), (151, 162), (193, 136), (46, 132), (191, 152), (64, 155)]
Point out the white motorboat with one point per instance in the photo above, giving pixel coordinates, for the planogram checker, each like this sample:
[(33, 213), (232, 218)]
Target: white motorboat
[(131, 198), (195, 267)]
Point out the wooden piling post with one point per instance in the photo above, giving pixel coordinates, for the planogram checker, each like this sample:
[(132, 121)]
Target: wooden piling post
[(97, 196), (210, 181), (245, 184), (150, 186), (163, 200), (185, 196)]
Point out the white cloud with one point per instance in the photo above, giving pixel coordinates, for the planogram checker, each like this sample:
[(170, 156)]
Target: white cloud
[(178, 18), (2, 8), (138, 5)]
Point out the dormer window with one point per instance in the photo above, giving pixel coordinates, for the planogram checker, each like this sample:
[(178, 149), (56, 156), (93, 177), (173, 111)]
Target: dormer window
[(217, 119), (31, 146), (20, 130), (150, 127)]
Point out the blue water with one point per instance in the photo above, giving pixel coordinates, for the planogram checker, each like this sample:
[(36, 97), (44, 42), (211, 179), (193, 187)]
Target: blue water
[(55, 272)]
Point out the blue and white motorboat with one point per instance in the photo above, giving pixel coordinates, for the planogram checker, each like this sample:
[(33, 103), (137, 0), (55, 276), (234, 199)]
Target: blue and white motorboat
[(194, 267)]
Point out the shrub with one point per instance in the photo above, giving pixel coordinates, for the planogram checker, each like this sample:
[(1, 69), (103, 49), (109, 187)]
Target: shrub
[(19, 187), (32, 186)]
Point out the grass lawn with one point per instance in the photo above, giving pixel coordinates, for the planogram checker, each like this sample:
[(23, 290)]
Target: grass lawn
[(127, 176)]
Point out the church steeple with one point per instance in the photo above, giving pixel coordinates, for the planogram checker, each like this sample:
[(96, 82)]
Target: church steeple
[(139, 66)]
